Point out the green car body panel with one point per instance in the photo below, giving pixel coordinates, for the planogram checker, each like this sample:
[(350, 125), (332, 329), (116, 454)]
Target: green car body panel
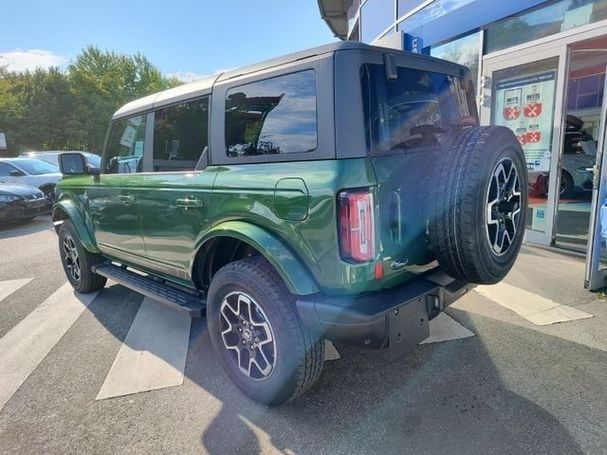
[(290, 220)]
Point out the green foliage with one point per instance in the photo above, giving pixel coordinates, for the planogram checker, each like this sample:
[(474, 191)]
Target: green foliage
[(70, 110)]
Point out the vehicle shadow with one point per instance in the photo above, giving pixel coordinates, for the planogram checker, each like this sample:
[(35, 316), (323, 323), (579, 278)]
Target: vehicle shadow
[(38, 224), (440, 398)]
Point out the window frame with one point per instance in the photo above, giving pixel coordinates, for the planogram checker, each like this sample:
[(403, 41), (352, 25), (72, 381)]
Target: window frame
[(325, 132), (146, 146), (148, 163)]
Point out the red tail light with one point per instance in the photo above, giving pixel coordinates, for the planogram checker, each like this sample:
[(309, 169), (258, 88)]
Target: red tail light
[(356, 225)]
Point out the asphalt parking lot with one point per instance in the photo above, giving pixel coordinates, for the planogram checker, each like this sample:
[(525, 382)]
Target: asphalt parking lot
[(522, 384)]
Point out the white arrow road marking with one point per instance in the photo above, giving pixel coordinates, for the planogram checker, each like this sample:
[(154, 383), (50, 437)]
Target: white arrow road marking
[(153, 354), (535, 308), (445, 328), (28, 343), (8, 287)]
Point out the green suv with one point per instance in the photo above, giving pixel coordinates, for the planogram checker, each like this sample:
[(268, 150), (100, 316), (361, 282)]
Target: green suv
[(344, 192)]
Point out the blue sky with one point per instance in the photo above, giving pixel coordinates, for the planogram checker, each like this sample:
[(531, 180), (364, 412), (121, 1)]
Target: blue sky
[(183, 37)]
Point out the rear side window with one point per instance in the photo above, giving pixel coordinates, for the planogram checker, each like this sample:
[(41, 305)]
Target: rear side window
[(180, 135), (124, 152), (273, 116), (417, 109)]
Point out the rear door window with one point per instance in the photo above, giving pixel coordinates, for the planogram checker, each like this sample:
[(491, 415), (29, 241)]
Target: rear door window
[(124, 151), (180, 135), (272, 116), (417, 109)]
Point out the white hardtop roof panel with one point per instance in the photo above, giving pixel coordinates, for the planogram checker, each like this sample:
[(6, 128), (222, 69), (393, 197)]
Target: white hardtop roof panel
[(173, 95)]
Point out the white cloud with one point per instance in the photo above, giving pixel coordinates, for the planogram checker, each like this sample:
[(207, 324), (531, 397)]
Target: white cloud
[(188, 76), (20, 60)]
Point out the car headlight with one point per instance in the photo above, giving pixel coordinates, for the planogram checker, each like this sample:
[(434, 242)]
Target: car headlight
[(8, 198)]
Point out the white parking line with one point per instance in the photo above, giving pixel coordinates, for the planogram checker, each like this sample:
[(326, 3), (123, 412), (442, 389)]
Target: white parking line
[(445, 328), (28, 343), (535, 308), (8, 287), (153, 354)]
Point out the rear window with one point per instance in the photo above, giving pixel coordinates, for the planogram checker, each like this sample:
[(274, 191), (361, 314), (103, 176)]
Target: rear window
[(417, 109)]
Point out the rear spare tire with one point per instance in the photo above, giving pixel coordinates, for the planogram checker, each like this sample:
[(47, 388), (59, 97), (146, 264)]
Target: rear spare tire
[(476, 218)]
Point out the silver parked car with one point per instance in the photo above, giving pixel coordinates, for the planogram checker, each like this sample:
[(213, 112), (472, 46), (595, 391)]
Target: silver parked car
[(32, 172)]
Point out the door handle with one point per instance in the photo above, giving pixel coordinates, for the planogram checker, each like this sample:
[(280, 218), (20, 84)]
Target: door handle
[(189, 203), (126, 199)]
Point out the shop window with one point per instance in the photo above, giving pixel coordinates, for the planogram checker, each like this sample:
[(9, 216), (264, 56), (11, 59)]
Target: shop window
[(377, 15), (431, 12), (555, 18), (464, 51), (180, 135), (272, 116)]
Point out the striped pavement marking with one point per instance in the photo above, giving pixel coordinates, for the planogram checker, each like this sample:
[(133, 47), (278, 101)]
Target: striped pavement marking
[(153, 354), (444, 328), (28, 343), (8, 287), (536, 309)]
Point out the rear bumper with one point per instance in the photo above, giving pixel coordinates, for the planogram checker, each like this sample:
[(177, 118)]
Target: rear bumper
[(397, 317)]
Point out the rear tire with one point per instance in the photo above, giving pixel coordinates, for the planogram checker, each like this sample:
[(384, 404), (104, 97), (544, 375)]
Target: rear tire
[(477, 213), (252, 315), (77, 261)]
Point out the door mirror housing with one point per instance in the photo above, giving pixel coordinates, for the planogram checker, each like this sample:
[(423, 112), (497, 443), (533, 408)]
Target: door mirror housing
[(75, 164), (16, 173)]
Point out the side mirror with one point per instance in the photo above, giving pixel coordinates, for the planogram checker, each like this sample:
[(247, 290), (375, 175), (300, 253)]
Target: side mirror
[(75, 164), (15, 173)]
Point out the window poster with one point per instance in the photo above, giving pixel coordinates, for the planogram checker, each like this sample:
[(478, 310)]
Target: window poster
[(526, 106)]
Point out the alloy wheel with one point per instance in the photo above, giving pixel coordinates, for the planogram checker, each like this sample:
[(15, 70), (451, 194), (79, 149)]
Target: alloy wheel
[(71, 258), (247, 335), (503, 206)]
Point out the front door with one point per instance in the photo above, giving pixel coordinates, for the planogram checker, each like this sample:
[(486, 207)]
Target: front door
[(520, 93), (175, 199), (113, 200)]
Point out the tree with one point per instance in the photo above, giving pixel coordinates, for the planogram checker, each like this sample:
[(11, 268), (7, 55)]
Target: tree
[(61, 110)]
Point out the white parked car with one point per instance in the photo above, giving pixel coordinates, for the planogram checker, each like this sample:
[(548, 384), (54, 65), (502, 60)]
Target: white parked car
[(52, 156), (32, 172)]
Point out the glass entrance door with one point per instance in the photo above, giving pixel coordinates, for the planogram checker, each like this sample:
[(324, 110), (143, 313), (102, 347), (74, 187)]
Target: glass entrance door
[(578, 153), (521, 94)]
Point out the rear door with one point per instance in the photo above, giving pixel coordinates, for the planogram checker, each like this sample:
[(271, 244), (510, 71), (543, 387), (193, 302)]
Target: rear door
[(112, 200), (175, 198), (410, 120)]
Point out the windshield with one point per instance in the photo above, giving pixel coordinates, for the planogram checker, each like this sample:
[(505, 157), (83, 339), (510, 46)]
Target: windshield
[(417, 109), (36, 167)]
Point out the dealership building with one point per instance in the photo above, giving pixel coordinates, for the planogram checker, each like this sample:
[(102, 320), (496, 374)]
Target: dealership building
[(539, 68)]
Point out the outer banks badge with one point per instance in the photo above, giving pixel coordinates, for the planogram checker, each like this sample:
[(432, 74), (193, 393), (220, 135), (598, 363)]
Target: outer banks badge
[(512, 104)]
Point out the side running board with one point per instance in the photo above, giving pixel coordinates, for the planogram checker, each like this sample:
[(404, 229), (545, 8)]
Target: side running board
[(191, 303)]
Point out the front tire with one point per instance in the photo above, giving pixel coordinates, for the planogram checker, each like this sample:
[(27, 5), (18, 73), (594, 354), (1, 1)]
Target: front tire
[(256, 332), (77, 261)]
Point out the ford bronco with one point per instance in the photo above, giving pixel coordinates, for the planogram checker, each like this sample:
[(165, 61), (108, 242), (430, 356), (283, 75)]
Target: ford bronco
[(344, 192)]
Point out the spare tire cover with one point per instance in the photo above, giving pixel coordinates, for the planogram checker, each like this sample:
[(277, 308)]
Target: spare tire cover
[(477, 209)]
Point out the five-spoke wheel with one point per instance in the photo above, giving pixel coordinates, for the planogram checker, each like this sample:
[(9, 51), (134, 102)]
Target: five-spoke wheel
[(247, 334), (503, 206)]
